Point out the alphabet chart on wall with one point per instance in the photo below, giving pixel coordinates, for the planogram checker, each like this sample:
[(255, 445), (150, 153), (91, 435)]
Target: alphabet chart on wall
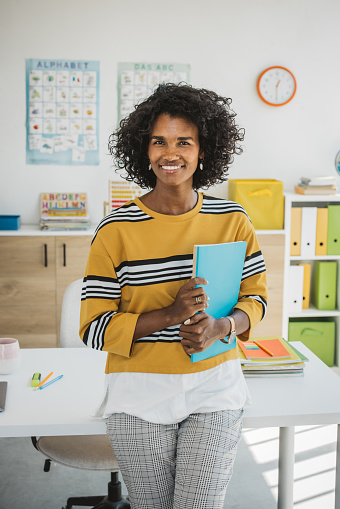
[(62, 111), (137, 80)]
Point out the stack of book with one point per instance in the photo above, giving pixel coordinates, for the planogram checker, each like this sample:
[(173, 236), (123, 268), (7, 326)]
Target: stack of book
[(64, 211), (270, 356), (316, 185)]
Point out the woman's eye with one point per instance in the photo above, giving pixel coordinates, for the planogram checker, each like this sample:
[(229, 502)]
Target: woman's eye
[(183, 143)]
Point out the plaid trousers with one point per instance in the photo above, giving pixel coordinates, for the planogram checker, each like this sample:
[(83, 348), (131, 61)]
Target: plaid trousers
[(184, 465)]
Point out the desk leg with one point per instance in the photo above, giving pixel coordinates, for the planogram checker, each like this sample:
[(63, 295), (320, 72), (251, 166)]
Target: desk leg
[(286, 468), (337, 472)]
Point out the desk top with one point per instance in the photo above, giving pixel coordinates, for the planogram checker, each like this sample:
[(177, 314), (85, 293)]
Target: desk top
[(65, 407)]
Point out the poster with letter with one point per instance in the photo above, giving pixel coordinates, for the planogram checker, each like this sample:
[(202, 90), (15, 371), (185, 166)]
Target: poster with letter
[(62, 112), (136, 81)]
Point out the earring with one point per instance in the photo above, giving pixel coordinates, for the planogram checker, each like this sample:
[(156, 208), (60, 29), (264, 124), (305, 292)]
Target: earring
[(150, 167), (201, 164)]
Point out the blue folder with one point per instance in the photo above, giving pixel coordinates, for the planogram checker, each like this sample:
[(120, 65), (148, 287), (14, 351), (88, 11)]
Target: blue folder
[(222, 266)]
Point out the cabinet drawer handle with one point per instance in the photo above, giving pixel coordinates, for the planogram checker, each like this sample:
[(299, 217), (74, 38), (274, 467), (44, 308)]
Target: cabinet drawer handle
[(45, 255), (64, 255)]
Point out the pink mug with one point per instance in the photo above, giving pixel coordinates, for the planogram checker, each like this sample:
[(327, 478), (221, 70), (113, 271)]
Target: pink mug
[(9, 355)]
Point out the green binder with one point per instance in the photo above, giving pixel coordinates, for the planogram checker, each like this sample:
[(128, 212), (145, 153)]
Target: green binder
[(324, 285), (333, 233)]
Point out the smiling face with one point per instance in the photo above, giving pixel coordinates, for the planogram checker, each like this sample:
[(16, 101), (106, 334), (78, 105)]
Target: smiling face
[(174, 150)]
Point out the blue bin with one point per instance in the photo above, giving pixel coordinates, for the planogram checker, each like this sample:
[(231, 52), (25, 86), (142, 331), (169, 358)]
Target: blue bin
[(9, 222)]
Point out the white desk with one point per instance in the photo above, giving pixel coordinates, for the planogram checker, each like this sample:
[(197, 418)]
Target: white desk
[(64, 408)]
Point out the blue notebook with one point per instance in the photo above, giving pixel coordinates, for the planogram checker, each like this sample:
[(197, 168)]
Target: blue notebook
[(222, 266)]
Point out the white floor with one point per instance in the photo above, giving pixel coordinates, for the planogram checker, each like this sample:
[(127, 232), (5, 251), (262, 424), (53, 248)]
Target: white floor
[(24, 484), (255, 477)]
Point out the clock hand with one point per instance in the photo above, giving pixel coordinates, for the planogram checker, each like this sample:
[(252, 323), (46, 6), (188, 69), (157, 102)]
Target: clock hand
[(277, 86)]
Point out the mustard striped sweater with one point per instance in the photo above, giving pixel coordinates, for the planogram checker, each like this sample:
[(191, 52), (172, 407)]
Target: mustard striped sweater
[(138, 261)]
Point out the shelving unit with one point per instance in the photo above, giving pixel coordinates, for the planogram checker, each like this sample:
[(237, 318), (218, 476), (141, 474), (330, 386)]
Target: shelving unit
[(296, 200)]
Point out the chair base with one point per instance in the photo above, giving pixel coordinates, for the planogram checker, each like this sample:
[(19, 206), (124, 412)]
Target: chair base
[(100, 503), (114, 499)]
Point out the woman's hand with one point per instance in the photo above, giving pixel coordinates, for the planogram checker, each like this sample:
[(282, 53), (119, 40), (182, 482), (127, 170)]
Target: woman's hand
[(188, 301), (202, 331)]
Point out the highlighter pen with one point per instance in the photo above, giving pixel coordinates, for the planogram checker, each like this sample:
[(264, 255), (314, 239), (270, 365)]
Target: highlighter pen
[(51, 382)]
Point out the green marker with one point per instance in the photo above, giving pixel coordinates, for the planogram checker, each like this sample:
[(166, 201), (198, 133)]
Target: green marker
[(35, 380)]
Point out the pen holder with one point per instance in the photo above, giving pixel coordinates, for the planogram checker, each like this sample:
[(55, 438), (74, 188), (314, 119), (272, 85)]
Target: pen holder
[(9, 355)]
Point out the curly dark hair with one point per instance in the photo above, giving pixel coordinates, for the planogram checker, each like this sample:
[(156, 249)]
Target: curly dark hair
[(209, 112)]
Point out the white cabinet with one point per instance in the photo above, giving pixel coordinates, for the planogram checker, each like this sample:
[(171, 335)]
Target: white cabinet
[(310, 314)]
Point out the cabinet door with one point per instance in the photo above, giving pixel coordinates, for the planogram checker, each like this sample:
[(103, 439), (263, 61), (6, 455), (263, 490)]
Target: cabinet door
[(27, 290), (272, 247), (71, 258)]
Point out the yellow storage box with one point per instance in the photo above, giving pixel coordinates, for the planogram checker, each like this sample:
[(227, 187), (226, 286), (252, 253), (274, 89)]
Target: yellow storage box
[(262, 199)]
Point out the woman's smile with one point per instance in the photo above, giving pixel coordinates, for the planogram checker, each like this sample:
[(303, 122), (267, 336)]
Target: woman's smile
[(170, 168)]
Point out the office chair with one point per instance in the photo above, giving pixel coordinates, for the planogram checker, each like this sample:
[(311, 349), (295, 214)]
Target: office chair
[(90, 452)]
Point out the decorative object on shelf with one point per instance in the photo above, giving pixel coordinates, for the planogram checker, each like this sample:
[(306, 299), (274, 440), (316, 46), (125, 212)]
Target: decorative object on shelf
[(9, 222), (262, 199), (337, 163), (64, 211), (316, 185), (121, 192), (276, 85)]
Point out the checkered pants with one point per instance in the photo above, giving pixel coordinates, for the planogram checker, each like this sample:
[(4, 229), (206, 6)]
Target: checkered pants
[(179, 466)]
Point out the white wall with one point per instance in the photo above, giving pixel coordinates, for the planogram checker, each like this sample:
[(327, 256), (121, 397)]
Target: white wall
[(227, 42)]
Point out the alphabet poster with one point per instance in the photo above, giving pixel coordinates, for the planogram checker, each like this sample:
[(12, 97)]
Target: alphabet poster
[(136, 81), (62, 101)]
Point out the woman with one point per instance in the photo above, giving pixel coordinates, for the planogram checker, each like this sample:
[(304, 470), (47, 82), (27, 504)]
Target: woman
[(174, 425)]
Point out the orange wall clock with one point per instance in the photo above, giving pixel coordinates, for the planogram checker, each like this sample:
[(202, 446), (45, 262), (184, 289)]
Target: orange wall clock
[(276, 86)]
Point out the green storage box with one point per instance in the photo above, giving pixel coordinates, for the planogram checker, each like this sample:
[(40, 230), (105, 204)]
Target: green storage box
[(319, 337)]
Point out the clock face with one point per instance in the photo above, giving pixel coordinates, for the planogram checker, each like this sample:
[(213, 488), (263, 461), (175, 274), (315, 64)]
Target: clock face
[(276, 86)]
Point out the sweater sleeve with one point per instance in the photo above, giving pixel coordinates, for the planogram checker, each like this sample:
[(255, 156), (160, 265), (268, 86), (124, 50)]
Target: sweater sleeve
[(102, 324), (253, 290)]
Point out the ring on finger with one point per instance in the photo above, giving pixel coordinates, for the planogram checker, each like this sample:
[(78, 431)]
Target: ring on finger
[(198, 300)]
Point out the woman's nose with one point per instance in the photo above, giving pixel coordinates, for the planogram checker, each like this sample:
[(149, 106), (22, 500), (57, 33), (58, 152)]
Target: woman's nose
[(171, 154)]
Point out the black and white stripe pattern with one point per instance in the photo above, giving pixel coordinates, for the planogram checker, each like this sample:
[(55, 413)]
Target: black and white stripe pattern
[(261, 300), (213, 205), (94, 334), (154, 271), (168, 335), (253, 264), (96, 287), (126, 213)]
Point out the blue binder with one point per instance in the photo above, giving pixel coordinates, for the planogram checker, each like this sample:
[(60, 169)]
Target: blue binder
[(222, 266)]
